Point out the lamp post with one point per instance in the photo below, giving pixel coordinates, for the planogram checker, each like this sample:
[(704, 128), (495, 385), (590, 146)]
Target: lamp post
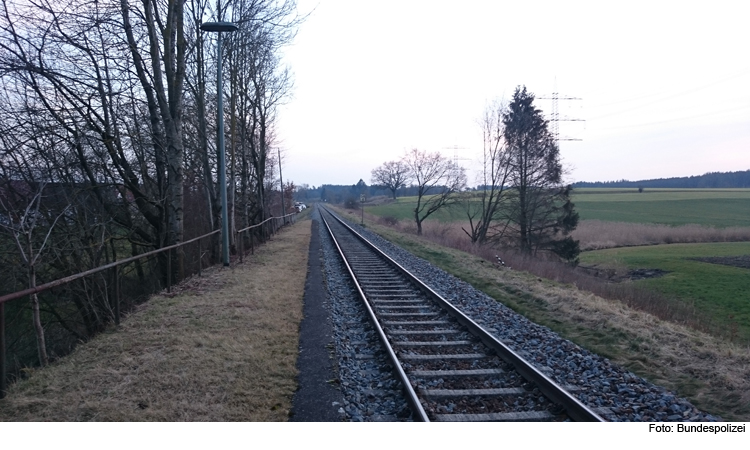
[(221, 27)]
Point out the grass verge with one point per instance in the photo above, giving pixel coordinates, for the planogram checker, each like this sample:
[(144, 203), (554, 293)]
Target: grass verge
[(222, 347), (713, 373)]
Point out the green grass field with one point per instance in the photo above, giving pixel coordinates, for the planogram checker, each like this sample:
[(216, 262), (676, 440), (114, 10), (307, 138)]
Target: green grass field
[(712, 207), (403, 209), (722, 292)]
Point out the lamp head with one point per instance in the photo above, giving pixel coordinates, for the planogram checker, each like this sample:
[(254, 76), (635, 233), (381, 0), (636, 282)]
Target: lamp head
[(227, 27)]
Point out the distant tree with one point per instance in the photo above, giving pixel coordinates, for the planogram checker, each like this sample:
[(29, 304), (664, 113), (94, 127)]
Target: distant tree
[(437, 180), (359, 188), (392, 175), (540, 212)]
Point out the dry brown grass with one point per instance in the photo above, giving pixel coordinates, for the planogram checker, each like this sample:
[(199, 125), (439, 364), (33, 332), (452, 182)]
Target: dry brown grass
[(220, 348), (450, 234), (596, 234)]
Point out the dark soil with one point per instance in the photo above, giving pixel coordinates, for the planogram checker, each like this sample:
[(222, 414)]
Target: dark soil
[(614, 277), (642, 274), (742, 261)]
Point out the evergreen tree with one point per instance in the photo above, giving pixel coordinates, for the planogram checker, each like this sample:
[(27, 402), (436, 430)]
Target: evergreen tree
[(540, 215)]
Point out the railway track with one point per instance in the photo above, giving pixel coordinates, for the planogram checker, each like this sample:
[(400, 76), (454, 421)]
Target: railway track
[(450, 367)]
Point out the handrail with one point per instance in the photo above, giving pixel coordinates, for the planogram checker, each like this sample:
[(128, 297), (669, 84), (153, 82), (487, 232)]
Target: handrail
[(77, 276), (259, 224)]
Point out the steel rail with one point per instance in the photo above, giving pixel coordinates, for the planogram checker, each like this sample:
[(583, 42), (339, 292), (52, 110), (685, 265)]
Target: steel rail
[(575, 409), (411, 396)]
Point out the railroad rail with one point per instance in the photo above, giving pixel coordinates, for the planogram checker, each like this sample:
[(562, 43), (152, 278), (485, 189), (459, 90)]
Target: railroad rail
[(451, 368)]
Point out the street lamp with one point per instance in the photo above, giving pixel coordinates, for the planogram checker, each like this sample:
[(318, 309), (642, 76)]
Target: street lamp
[(221, 27)]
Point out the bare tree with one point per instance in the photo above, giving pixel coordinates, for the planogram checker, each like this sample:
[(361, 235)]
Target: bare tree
[(484, 208), (437, 180), (392, 174), (22, 227)]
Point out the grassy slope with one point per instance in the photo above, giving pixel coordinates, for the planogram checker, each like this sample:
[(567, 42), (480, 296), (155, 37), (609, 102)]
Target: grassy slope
[(723, 292), (713, 374), (223, 347)]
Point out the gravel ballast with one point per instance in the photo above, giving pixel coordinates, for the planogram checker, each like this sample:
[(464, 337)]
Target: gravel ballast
[(372, 393)]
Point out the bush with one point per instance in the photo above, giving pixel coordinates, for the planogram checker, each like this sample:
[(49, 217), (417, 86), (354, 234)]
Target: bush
[(390, 221), (567, 249), (351, 203)]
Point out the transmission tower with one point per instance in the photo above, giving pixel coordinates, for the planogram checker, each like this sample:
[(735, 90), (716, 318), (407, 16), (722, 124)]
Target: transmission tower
[(555, 118), (455, 149)]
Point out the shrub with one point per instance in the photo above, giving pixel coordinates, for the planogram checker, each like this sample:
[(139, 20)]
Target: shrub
[(389, 220)]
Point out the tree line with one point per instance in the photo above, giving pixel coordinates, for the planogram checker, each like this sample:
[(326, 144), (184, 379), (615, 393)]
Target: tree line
[(108, 134), (720, 180), (521, 200)]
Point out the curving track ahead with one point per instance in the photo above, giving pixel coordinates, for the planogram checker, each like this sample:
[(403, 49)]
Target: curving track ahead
[(452, 369)]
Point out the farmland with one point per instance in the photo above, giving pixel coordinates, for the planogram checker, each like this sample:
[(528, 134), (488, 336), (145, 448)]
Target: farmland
[(709, 207)]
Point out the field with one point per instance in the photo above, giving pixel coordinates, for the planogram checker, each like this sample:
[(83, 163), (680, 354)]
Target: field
[(722, 292), (711, 207)]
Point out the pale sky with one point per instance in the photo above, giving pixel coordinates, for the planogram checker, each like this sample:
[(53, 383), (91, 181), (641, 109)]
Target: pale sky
[(665, 86)]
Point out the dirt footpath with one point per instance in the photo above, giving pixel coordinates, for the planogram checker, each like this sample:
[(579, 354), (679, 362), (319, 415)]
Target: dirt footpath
[(222, 347)]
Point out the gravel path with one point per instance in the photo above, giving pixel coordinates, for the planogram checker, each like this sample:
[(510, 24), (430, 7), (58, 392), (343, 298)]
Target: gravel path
[(372, 393)]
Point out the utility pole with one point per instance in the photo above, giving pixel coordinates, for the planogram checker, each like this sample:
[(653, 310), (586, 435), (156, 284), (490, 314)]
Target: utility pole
[(362, 201), (221, 27)]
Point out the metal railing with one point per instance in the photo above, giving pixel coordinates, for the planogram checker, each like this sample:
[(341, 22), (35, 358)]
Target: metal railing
[(268, 227)]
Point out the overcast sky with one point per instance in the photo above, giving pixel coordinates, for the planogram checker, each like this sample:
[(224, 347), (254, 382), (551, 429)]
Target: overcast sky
[(665, 86)]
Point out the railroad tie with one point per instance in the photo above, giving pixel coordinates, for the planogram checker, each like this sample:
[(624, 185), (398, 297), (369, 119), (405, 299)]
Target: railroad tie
[(415, 322), (443, 357), (457, 373), (520, 416), (408, 314), (418, 333), (473, 392), (431, 343)]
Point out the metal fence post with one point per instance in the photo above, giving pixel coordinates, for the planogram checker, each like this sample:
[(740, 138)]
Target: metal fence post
[(169, 270), (2, 350), (116, 273), (200, 258), (242, 247)]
